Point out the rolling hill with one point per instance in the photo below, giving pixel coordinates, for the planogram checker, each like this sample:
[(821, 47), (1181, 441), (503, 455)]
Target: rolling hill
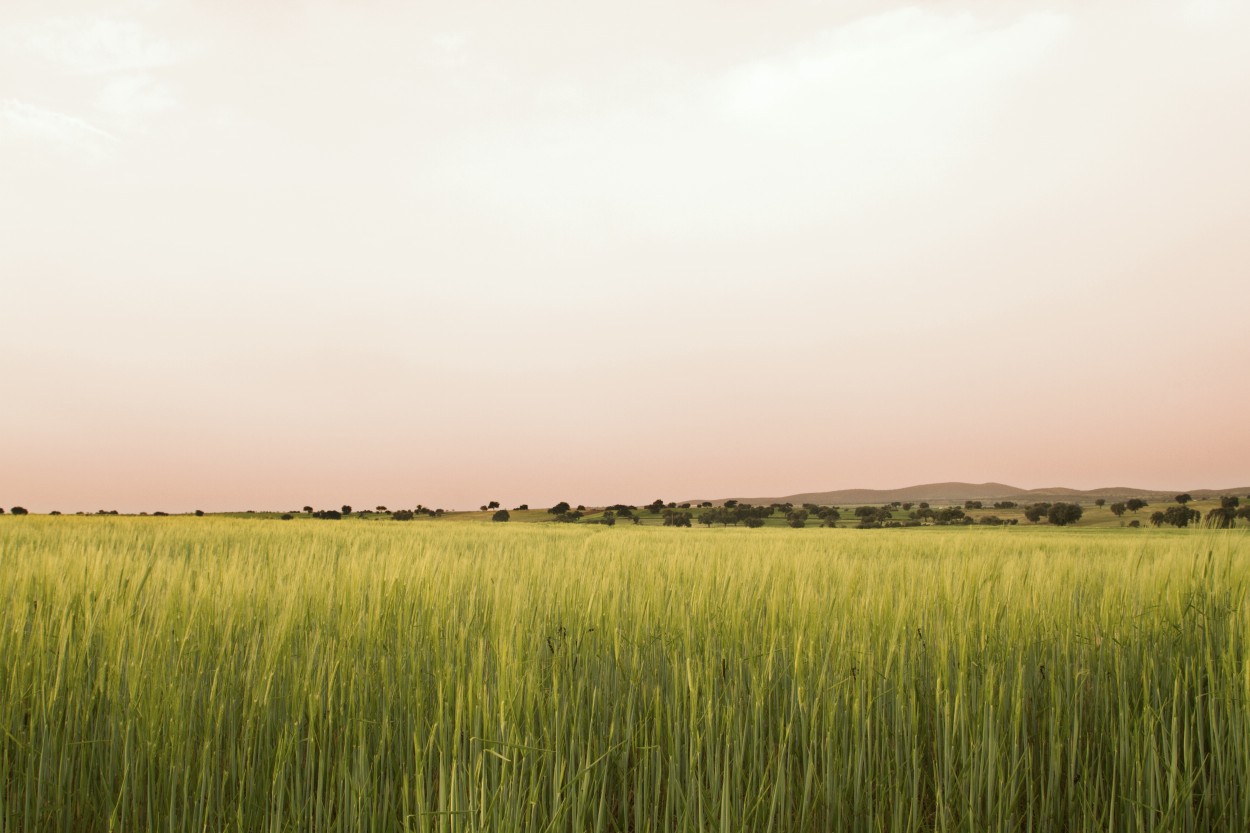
[(955, 492)]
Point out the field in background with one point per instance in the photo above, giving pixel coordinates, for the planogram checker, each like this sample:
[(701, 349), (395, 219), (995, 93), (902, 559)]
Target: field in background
[(218, 674)]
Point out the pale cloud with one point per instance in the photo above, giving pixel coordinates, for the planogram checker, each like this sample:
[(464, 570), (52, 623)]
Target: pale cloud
[(448, 50), (94, 46), (851, 117), (136, 95), (26, 121)]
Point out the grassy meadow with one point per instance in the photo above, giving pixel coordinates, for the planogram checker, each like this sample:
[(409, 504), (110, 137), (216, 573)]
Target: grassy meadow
[(217, 674)]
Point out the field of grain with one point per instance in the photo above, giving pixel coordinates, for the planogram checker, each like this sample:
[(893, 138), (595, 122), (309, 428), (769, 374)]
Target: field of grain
[(243, 675)]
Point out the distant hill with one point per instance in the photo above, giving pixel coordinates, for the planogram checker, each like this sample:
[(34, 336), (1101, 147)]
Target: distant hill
[(959, 492)]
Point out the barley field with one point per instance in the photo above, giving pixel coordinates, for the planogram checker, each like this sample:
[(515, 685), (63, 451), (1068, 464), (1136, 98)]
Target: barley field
[(183, 674)]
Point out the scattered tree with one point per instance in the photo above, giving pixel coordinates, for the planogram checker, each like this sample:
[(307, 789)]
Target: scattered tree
[(199, 513), (403, 515), (18, 510), (1062, 514), (1222, 517), (287, 516), (494, 504), (1177, 516), (1118, 509), (1184, 498), (676, 517), (501, 516), (797, 518), (559, 509), (1135, 504), (346, 510), (1102, 501)]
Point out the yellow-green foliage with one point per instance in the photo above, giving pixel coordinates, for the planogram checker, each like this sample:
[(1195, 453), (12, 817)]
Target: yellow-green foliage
[(209, 675)]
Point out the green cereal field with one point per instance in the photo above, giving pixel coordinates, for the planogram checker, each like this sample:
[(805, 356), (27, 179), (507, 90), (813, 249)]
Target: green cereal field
[(183, 674)]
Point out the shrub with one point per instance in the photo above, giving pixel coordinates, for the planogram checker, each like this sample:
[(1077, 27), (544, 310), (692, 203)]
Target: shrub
[(501, 516), (18, 510), (287, 516), (403, 515)]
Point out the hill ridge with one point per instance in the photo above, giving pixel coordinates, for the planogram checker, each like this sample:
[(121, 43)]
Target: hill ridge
[(957, 491)]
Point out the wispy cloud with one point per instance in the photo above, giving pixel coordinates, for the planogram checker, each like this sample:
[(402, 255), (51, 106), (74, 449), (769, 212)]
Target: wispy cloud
[(23, 120), (94, 46), (136, 94)]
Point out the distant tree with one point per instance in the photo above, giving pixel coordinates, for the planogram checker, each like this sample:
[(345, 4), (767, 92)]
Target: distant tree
[(705, 504), (1102, 501), (494, 504), (924, 505), (288, 516), (753, 522), (972, 504), (18, 510), (656, 506), (676, 517), (708, 517), (906, 507), (403, 515), (523, 507), (797, 518), (829, 516), (2, 511), (581, 508), (730, 504), (1244, 512), (1222, 517), (308, 509), (1134, 523), (1184, 498), (379, 509), (1118, 509), (559, 509), (346, 510), (482, 508), (1177, 516), (199, 513), (1229, 502), (1034, 512), (1062, 514), (569, 517), (501, 516), (328, 515), (609, 518), (1135, 504)]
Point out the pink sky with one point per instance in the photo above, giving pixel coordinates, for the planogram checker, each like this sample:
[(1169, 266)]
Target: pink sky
[(376, 253)]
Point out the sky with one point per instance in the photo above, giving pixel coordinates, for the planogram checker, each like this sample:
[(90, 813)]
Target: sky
[(263, 255)]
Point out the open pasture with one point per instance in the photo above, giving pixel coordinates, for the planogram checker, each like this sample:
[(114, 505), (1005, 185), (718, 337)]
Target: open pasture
[(228, 675)]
